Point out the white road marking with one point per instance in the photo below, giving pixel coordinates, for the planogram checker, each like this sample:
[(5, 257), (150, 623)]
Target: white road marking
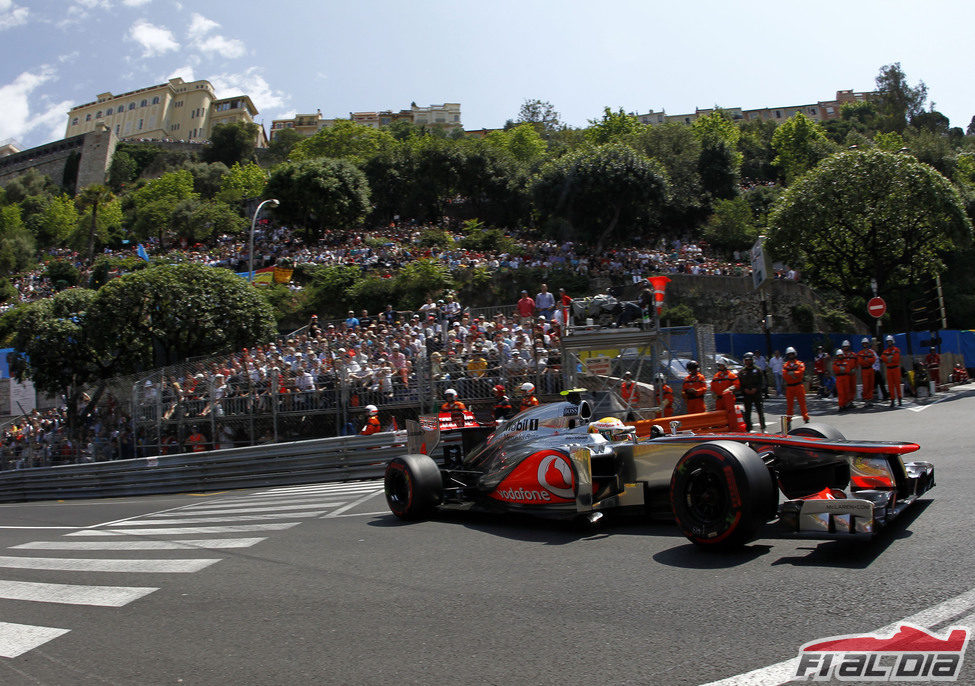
[(243, 528), (17, 639), (213, 519), (69, 564), (781, 672), (354, 503), (362, 514), (70, 594), (238, 509), (56, 528), (331, 488), (197, 544)]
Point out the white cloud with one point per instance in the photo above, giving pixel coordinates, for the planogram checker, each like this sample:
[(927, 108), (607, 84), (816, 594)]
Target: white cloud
[(155, 40), (252, 83), (12, 15), (15, 104), (200, 25), (225, 47), (184, 72), (135, 3), (213, 44)]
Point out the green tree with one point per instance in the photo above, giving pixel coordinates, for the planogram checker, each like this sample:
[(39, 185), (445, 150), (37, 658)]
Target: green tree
[(89, 199), (108, 226), (197, 221), (230, 143), (719, 163), (731, 226), (541, 115), (30, 183), (171, 187), (122, 171), (614, 126), (320, 194), (207, 177), (606, 193), (164, 314), (242, 182), (898, 102), (677, 148), (800, 144), (755, 145), (281, 144), (62, 274), (868, 214), (54, 221), (345, 139), (54, 349)]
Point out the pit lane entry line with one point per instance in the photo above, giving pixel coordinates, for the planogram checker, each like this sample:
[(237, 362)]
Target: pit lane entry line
[(782, 672)]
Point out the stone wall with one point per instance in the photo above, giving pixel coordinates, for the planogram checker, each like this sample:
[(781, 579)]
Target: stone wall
[(47, 159)]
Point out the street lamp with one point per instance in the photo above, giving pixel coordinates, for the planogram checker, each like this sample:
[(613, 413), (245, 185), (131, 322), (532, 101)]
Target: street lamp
[(250, 253)]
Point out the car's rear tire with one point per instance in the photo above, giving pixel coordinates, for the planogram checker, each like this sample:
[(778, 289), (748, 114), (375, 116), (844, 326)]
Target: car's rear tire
[(721, 493), (830, 433), (413, 486)]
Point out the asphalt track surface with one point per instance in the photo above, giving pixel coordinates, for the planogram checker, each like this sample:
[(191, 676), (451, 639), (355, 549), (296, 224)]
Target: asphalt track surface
[(320, 585)]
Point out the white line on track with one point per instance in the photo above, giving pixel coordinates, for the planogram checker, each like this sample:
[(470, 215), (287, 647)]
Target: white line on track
[(71, 564), (70, 594), (238, 508), (17, 639), (218, 517), (350, 488), (156, 531), (781, 672), (55, 528), (354, 503), (194, 544)]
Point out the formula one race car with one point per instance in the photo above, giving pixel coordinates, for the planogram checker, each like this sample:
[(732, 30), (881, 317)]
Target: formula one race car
[(554, 461)]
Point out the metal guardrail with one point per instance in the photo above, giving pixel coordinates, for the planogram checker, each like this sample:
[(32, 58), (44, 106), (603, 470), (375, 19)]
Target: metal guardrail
[(327, 459)]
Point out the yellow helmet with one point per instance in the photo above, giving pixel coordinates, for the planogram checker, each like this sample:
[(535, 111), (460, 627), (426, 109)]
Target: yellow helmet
[(612, 429)]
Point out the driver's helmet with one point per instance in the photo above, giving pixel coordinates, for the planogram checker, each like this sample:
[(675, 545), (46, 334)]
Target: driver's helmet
[(450, 393), (612, 429), (693, 366), (527, 388), (372, 409)]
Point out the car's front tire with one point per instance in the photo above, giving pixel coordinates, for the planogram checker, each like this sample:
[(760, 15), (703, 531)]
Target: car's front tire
[(413, 486), (830, 433), (721, 493)]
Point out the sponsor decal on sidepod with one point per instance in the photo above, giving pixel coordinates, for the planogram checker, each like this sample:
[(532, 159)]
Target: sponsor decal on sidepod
[(909, 654), (544, 477)]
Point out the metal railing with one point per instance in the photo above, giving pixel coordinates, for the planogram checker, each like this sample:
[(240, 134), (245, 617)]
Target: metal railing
[(328, 459)]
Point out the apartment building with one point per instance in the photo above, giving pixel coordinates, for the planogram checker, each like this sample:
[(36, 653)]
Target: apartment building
[(175, 110), (446, 115), (822, 110)]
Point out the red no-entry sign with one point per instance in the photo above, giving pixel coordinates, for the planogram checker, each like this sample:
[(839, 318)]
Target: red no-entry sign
[(876, 307)]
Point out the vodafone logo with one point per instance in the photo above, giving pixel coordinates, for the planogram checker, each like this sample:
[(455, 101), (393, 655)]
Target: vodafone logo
[(555, 475)]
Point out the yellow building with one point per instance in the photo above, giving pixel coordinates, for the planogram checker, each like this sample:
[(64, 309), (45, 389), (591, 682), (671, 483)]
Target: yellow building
[(175, 111), (446, 115), (822, 110)]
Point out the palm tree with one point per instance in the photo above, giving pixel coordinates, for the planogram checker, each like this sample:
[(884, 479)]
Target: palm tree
[(92, 196)]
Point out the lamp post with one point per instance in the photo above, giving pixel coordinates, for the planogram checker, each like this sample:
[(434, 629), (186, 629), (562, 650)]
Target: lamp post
[(250, 254)]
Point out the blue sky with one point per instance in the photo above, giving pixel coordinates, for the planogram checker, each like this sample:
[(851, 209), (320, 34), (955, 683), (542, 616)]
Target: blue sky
[(292, 56)]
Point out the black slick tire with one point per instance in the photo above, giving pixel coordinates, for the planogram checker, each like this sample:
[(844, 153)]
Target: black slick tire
[(413, 486), (721, 493)]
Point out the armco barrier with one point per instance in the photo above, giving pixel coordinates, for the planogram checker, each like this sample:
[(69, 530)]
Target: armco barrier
[(278, 464)]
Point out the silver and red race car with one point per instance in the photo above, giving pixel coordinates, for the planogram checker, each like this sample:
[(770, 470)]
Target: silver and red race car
[(555, 461)]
